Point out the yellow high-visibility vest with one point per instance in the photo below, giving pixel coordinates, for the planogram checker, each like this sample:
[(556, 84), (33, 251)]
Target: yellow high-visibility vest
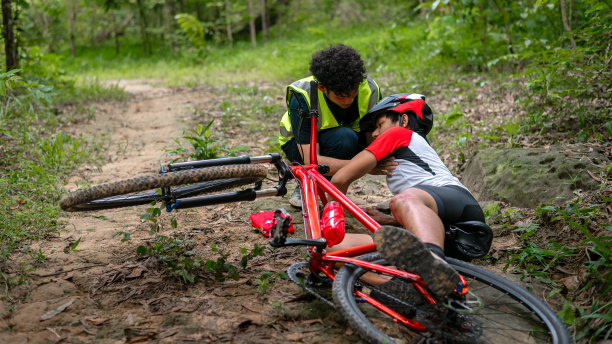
[(368, 96)]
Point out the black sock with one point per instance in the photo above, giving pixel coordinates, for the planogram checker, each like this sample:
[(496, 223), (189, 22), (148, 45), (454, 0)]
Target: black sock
[(436, 249)]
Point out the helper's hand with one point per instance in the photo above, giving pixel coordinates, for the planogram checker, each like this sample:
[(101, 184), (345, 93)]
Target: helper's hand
[(385, 167)]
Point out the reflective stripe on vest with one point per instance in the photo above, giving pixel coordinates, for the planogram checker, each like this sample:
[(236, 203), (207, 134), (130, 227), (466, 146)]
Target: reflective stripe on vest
[(368, 96)]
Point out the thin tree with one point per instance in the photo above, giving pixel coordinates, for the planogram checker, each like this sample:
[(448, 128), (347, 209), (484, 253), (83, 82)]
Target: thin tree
[(228, 22), (146, 46), (264, 19), (252, 23), (10, 46), (567, 20), (71, 14), (112, 6), (169, 14)]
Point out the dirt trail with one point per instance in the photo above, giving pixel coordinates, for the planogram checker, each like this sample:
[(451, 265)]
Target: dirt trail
[(100, 292)]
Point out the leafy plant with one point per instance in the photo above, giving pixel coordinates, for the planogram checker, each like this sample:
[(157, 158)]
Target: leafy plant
[(176, 257), (221, 267), (266, 280), (592, 325), (9, 80), (204, 144), (246, 255), (537, 262), (192, 28)]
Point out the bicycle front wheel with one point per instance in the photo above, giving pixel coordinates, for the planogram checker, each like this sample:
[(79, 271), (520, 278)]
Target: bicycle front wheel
[(216, 178), (508, 313)]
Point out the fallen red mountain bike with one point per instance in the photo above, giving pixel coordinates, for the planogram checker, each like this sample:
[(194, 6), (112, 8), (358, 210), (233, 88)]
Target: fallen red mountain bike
[(485, 308)]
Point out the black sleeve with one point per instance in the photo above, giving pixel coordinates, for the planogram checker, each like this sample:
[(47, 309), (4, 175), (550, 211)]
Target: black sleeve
[(299, 124)]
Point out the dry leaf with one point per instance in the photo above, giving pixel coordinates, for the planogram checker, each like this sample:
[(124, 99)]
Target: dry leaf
[(50, 314)]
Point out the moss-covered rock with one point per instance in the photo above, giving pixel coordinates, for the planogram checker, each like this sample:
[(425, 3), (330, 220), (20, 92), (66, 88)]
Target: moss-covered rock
[(528, 177)]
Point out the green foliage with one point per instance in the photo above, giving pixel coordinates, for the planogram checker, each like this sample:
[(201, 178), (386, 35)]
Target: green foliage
[(204, 144), (256, 251), (537, 262), (9, 80), (220, 267), (265, 282), (578, 218), (593, 322), (36, 155), (175, 256), (193, 29)]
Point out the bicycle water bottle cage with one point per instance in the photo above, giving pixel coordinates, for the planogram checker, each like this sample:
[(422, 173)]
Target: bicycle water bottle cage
[(468, 240)]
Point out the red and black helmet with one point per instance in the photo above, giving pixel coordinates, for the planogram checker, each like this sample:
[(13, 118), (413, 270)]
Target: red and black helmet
[(420, 116)]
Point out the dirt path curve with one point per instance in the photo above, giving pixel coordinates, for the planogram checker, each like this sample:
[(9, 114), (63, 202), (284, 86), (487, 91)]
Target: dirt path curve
[(100, 292)]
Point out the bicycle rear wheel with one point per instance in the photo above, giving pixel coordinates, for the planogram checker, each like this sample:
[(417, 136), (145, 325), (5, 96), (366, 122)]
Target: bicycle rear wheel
[(509, 313), (216, 178)]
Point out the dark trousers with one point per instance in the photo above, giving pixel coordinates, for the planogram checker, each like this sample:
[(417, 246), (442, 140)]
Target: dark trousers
[(340, 143)]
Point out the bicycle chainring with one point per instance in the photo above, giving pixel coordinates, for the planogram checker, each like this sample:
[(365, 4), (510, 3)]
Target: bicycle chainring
[(300, 274)]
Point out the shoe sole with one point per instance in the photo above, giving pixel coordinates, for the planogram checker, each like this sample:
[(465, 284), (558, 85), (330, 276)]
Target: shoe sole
[(402, 249), (295, 200)]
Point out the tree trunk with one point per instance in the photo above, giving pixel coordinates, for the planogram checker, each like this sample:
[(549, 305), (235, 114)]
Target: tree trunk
[(264, 19), (567, 22), (71, 15), (170, 12), (252, 23), (143, 28), (228, 23), (10, 46), (115, 31)]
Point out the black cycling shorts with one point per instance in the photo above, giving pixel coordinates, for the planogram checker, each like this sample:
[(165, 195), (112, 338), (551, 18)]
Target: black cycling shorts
[(455, 204)]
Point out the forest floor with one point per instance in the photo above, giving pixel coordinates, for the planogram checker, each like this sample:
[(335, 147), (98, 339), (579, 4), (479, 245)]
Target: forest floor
[(100, 290)]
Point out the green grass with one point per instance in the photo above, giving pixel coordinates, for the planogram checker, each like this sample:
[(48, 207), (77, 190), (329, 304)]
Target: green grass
[(36, 155), (388, 49)]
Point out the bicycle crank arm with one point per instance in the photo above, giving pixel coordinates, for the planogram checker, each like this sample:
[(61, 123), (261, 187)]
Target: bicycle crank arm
[(319, 243)]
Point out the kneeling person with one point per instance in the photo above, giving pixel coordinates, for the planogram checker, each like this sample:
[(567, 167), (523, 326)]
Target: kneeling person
[(427, 197)]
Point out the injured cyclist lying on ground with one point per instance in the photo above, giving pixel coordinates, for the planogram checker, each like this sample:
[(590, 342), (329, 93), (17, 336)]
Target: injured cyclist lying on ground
[(427, 197)]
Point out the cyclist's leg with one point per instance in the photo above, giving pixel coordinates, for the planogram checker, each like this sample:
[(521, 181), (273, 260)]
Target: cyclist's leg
[(455, 204), (292, 151), (419, 248), (417, 211)]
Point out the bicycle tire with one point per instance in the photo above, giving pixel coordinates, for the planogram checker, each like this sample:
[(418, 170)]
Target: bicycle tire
[(233, 175), (510, 314), (130, 200)]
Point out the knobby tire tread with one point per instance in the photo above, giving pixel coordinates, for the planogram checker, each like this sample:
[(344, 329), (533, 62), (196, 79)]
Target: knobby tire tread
[(77, 200), (347, 306), (130, 200)]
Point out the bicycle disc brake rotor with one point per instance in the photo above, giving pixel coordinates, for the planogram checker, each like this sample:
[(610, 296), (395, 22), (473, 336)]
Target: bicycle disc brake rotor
[(300, 274), (444, 323)]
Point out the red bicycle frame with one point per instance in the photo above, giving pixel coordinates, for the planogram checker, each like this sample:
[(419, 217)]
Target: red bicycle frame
[(312, 184)]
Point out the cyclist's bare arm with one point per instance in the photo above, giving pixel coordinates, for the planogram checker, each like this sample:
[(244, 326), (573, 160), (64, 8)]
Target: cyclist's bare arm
[(357, 167), (333, 163), (384, 167)]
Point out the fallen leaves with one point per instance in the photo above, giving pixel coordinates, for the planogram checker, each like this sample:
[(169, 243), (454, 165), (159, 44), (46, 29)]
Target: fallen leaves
[(53, 312)]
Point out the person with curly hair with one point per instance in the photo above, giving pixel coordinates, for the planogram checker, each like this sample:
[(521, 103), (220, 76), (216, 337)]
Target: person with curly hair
[(345, 94)]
